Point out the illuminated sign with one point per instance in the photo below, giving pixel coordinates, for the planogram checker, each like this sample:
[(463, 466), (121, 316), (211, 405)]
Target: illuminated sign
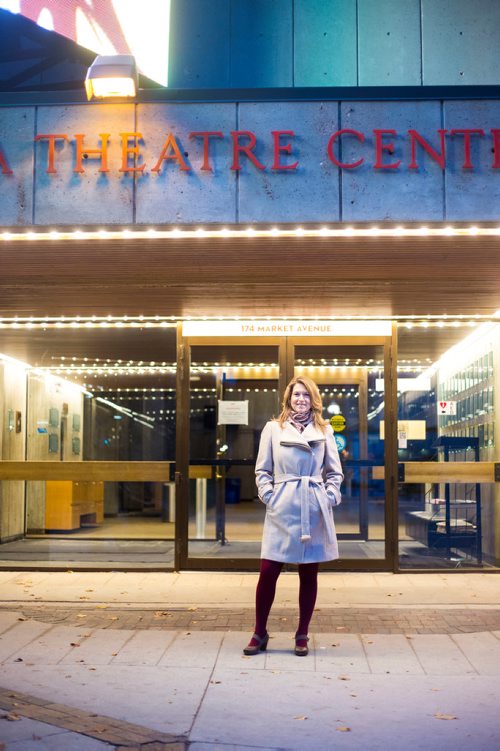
[(113, 27), (286, 328), (338, 423)]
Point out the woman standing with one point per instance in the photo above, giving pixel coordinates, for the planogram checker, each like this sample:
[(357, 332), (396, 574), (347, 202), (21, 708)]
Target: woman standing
[(298, 475)]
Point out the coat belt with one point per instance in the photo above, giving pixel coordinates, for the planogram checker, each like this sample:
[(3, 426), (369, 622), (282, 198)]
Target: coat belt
[(305, 523)]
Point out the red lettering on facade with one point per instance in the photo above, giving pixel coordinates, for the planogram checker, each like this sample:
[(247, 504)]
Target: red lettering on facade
[(84, 153), (51, 138), (172, 151), (495, 132), (244, 144), (282, 147), (439, 157), (331, 142), (6, 170), (467, 133), (206, 135), (380, 147), (246, 149), (130, 151)]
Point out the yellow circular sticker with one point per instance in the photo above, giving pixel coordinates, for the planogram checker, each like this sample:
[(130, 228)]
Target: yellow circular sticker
[(338, 423)]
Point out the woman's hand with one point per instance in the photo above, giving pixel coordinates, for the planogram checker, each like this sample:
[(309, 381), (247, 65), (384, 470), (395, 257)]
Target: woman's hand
[(333, 497)]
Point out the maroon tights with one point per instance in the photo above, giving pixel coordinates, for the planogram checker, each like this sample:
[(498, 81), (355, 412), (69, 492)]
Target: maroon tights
[(266, 589)]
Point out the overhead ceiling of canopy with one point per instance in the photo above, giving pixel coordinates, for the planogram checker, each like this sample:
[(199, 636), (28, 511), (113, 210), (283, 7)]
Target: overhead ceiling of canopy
[(293, 276), (252, 276)]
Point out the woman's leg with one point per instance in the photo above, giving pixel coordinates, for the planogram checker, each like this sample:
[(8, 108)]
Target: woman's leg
[(264, 596), (308, 590)]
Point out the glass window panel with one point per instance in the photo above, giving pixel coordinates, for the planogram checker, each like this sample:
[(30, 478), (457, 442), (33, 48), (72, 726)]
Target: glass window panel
[(112, 392), (439, 522), (225, 514), (351, 380)]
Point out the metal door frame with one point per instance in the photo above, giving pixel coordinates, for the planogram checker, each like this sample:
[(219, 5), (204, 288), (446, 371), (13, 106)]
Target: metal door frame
[(286, 362)]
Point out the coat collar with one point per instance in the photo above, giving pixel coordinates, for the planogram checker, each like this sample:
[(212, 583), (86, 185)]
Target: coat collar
[(291, 436)]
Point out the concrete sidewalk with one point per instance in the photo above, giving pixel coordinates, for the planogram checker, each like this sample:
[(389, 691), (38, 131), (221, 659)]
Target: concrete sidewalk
[(91, 661)]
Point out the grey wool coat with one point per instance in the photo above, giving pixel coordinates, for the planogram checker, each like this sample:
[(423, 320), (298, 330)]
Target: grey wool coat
[(298, 477)]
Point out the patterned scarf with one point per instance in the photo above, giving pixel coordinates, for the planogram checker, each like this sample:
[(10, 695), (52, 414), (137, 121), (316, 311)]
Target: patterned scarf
[(300, 419)]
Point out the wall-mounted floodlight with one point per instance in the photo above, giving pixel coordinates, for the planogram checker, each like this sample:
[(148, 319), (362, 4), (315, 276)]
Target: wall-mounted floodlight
[(111, 76)]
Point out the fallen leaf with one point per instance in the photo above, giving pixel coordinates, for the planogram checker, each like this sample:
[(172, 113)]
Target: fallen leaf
[(81, 615), (102, 606), (83, 597), (11, 717), (113, 618), (113, 654), (301, 717), (440, 716), (89, 590), (22, 618), (191, 610), (343, 729), (74, 644), (18, 659)]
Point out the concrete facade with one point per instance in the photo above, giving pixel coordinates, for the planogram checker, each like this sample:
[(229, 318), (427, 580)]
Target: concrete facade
[(281, 162)]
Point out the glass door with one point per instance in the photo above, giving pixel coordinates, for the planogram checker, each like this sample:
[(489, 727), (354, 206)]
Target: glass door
[(228, 388), (357, 403), (234, 389)]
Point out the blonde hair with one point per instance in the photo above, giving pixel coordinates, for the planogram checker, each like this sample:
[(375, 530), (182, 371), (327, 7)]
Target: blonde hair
[(316, 402)]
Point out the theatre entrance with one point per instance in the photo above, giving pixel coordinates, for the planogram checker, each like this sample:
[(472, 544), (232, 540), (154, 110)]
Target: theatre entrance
[(228, 387)]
